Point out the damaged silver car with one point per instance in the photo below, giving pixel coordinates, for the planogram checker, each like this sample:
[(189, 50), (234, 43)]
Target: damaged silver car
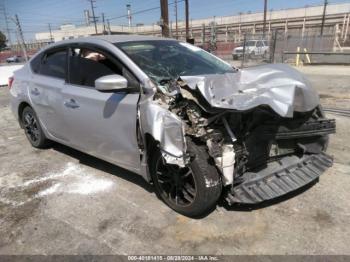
[(188, 122)]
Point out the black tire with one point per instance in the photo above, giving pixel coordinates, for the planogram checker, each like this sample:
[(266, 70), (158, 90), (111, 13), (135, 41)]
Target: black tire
[(198, 192), (32, 128)]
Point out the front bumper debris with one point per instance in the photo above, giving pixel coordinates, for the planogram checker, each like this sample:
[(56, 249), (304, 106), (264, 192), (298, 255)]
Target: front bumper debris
[(282, 178)]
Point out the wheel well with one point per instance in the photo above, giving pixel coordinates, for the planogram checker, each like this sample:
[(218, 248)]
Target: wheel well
[(151, 145), (20, 111)]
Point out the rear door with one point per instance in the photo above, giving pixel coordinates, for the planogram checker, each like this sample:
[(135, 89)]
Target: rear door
[(45, 88), (100, 123)]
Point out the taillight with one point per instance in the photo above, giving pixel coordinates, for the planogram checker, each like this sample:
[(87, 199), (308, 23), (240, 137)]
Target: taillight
[(10, 82)]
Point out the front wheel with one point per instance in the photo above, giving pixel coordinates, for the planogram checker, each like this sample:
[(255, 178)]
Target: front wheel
[(192, 190)]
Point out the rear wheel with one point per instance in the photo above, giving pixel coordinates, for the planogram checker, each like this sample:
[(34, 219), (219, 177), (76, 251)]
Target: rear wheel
[(33, 129), (192, 190)]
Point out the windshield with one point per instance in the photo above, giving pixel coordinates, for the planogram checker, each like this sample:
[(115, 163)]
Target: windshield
[(162, 59)]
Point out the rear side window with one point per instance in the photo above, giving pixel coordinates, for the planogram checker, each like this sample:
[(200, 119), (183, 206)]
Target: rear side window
[(35, 63), (54, 64)]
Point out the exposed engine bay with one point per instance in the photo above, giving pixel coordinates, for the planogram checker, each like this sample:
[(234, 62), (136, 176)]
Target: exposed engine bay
[(245, 144)]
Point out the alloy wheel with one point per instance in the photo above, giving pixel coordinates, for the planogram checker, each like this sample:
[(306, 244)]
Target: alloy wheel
[(177, 185), (31, 127)]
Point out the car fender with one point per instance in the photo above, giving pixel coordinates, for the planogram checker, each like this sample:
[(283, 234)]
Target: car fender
[(167, 130)]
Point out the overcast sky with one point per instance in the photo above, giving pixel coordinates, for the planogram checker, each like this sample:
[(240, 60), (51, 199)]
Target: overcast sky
[(35, 15)]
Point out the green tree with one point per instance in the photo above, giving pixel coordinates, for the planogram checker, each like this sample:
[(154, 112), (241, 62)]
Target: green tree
[(2, 40)]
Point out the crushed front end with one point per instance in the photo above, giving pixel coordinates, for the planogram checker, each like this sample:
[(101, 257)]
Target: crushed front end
[(276, 155), (260, 154)]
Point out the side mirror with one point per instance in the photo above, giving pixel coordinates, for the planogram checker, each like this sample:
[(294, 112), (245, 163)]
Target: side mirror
[(111, 83)]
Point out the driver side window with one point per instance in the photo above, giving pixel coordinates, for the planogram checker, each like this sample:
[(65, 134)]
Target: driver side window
[(87, 65)]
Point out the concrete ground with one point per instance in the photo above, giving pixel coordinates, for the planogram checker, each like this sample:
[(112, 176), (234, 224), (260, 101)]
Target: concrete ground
[(6, 71), (61, 201)]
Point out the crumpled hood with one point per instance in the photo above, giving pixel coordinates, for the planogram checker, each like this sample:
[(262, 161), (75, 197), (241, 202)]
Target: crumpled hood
[(279, 86)]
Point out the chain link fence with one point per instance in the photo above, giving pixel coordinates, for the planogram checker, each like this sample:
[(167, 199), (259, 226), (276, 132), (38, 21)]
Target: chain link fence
[(295, 46)]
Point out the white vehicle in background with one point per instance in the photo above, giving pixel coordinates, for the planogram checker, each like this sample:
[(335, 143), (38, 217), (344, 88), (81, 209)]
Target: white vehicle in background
[(14, 59), (253, 48)]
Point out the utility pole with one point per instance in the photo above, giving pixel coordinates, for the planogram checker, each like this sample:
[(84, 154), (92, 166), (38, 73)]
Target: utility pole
[(324, 15), (20, 34), (265, 11), (187, 20), (164, 17), (93, 14), (51, 38), (176, 25), (103, 22), (7, 25)]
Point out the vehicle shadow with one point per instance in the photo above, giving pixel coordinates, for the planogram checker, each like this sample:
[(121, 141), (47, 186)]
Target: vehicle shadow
[(252, 207), (104, 166)]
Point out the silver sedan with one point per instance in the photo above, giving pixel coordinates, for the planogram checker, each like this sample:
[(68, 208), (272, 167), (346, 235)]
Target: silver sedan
[(188, 122)]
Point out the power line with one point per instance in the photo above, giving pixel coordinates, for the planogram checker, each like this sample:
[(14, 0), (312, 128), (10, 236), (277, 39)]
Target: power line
[(144, 10)]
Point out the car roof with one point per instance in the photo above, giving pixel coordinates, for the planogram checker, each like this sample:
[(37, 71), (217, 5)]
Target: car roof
[(111, 39), (126, 38), (106, 38)]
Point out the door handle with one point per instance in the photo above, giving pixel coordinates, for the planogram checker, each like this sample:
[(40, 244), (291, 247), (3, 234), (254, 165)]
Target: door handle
[(35, 92), (71, 103)]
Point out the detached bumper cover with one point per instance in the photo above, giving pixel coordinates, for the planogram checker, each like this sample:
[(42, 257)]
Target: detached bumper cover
[(286, 177)]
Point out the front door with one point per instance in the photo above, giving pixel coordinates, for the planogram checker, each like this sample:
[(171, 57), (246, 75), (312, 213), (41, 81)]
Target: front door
[(101, 124)]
